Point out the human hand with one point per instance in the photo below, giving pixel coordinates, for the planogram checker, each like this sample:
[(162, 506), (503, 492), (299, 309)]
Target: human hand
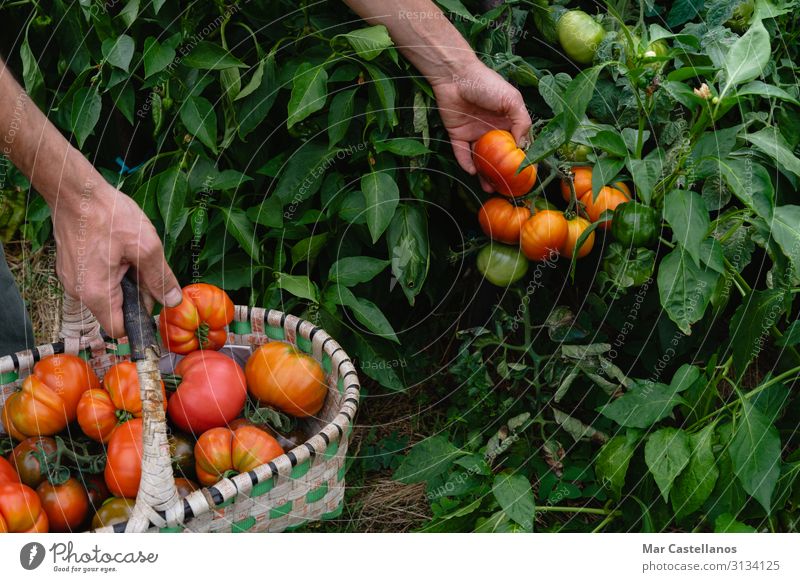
[(475, 100), (97, 241)]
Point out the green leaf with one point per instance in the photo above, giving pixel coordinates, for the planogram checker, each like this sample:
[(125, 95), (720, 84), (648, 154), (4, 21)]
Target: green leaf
[(125, 100), (791, 336), (308, 248), (612, 462), (426, 460), (685, 377), (384, 88), (684, 289), (748, 57), (368, 42), (367, 313), (377, 367), (302, 175), (513, 492), (232, 273), (86, 108), (726, 523), (173, 187), (687, 214), (351, 271), (550, 139), (750, 183), (299, 286), (667, 452), (340, 115), (210, 56), (309, 92), (457, 8), (269, 213), (409, 248), (764, 90), (770, 141), (579, 93), (643, 405), (611, 142), (119, 51), (382, 196), (786, 232), (694, 485), (200, 119), (31, 74), (240, 227), (751, 324), (402, 147), (646, 173), (755, 452), (130, 13), (255, 104), (157, 57), (603, 172)]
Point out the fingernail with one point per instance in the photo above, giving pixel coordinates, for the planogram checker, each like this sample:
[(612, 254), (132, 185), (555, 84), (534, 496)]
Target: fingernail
[(174, 297)]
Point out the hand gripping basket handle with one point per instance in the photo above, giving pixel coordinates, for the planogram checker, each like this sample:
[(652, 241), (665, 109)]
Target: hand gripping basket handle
[(157, 490)]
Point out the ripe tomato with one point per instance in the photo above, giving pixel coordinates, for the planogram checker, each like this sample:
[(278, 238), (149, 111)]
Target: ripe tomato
[(501, 220), (579, 35), (212, 392), (608, 198), (48, 399), (582, 179), (502, 265), (96, 490), (543, 234), (220, 450), (115, 510), (185, 486), (575, 228), (198, 323), (101, 411), (26, 459), (7, 472), (66, 505), (281, 376), (498, 158), (21, 510), (124, 464)]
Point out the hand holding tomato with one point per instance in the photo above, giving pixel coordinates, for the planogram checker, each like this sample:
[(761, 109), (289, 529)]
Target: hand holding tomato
[(198, 322), (221, 450), (48, 399), (498, 160)]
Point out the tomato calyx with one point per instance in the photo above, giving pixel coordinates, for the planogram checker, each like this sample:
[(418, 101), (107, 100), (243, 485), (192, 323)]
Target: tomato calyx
[(202, 334), (123, 416), (267, 415), (171, 381)]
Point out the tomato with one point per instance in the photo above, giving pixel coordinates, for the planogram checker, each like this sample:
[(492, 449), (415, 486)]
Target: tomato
[(501, 220), (185, 486), (96, 490), (181, 450), (579, 35), (7, 472), (48, 399), (608, 198), (543, 235), (574, 152), (281, 376), (101, 411), (198, 322), (582, 180), (26, 459), (124, 464), (115, 510), (66, 505), (212, 392), (502, 265), (635, 225), (498, 158), (21, 510), (740, 19), (575, 228), (221, 450)]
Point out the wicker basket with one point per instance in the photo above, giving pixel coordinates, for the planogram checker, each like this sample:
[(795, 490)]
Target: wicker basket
[(303, 485)]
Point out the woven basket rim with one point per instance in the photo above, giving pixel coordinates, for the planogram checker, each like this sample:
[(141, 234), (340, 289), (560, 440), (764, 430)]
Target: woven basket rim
[(333, 431)]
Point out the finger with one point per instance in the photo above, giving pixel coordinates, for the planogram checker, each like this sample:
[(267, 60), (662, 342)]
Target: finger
[(463, 154), (485, 185), (104, 300), (154, 275), (520, 120)]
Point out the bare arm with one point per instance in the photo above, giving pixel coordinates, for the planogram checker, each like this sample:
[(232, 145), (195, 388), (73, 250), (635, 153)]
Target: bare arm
[(99, 231), (471, 97)]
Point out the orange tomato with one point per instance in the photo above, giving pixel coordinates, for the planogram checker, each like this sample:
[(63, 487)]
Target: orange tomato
[(575, 228), (498, 158), (501, 220), (21, 510), (581, 178), (220, 450), (543, 234), (198, 322), (608, 198)]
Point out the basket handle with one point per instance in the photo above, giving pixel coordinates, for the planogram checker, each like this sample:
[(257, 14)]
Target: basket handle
[(77, 321), (157, 490)]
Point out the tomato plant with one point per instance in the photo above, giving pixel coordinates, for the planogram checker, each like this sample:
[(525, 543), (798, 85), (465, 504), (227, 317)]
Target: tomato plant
[(199, 322), (221, 451)]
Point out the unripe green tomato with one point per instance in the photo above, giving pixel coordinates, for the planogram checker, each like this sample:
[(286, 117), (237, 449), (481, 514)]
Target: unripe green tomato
[(574, 152), (634, 224), (579, 35), (502, 265)]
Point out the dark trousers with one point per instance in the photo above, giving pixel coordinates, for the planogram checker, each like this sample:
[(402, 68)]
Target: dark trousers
[(16, 332)]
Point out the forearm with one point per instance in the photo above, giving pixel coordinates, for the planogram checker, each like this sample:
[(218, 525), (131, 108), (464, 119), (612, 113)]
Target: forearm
[(422, 33), (56, 169)]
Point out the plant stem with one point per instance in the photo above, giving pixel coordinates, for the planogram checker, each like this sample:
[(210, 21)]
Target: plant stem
[(587, 510)]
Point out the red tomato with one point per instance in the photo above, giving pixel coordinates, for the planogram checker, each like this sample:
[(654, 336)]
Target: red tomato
[(498, 158), (220, 450), (66, 505), (26, 459), (608, 198), (198, 322), (502, 220), (543, 234), (124, 464), (7, 472), (48, 399), (101, 411), (20, 510), (212, 392), (281, 376)]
